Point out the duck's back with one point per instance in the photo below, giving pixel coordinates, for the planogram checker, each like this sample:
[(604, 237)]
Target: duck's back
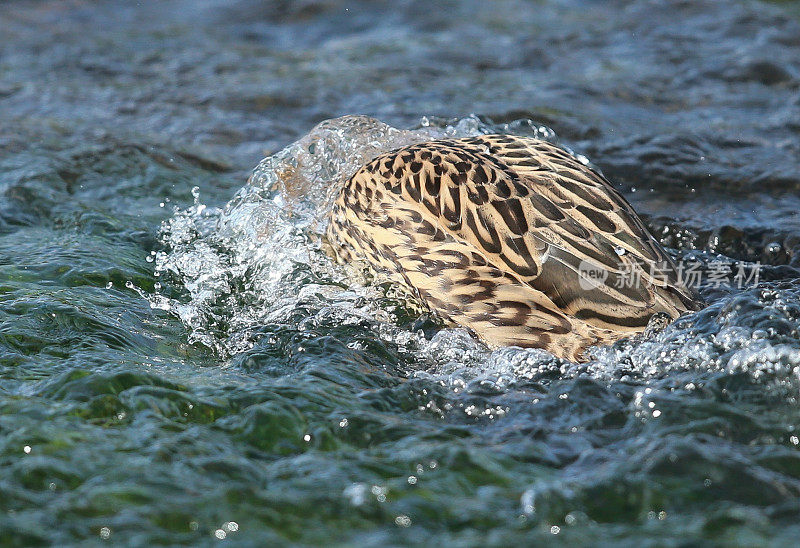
[(498, 233)]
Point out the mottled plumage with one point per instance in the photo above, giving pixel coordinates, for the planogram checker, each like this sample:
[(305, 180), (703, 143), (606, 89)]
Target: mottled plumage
[(490, 232)]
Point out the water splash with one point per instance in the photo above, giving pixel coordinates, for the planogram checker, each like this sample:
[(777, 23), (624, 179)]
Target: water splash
[(256, 260), (259, 261)]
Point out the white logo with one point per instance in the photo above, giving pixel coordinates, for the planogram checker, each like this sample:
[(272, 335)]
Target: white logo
[(591, 276)]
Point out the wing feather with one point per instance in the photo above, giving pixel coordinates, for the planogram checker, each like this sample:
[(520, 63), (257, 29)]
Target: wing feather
[(492, 232)]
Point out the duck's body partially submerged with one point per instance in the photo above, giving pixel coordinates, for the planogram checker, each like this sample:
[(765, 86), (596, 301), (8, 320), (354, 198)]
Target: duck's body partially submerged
[(495, 233)]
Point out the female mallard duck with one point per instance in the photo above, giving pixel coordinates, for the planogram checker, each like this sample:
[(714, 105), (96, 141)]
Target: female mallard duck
[(494, 232)]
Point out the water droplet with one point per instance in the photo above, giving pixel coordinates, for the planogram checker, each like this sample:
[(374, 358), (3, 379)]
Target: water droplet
[(773, 247)]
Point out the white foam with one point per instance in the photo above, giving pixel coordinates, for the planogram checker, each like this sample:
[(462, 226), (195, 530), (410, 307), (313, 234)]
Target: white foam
[(258, 261)]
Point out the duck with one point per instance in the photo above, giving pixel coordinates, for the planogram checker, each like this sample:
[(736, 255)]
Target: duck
[(511, 237)]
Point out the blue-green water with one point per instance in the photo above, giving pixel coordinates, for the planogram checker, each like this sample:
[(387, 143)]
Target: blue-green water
[(180, 364)]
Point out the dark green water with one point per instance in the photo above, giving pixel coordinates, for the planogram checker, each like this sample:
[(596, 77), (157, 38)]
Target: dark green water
[(175, 370)]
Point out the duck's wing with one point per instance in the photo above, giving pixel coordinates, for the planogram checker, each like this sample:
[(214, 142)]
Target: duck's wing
[(526, 210), (452, 276), (575, 220)]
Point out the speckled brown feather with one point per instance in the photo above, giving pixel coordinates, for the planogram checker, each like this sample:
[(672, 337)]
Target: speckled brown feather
[(491, 231)]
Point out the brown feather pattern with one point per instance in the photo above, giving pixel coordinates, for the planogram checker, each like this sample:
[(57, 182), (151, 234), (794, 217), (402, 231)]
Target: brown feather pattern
[(490, 233)]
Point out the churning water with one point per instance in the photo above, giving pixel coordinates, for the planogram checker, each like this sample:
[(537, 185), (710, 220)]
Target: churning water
[(182, 364)]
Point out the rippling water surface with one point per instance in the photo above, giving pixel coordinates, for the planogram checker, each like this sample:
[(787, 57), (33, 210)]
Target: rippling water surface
[(182, 364)]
